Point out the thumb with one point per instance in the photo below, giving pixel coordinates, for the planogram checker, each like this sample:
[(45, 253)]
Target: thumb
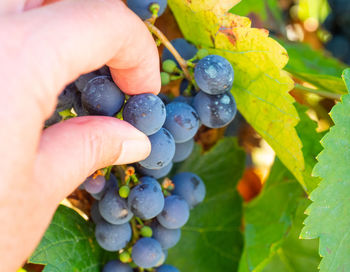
[(72, 150)]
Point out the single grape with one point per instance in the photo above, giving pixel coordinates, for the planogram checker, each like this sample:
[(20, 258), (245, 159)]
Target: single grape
[(82, 81), (215, 111), (162, 150), (125, 257), (175, 213), (54, 119), (142, 7), (184, 99), (111, 182), (116, 266), (124, 191), (94, 185), (186, 50), (163, 258), (146, 199), (147, 252), (113, 208), (166, 237), (155, 173), (113, 237), (183, 150), (102, 97), (78, 106), (165, 78), (169, 66), (167, 268), (146, 112), (182, 121), (66, 98), (214, 75), (146, 231), (95, 213), (190, 187)]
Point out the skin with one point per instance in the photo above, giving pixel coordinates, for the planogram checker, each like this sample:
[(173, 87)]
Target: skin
[(44, 46)]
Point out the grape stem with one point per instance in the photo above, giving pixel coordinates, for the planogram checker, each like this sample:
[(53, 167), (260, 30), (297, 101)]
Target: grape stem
[(319, 92), (183, 63)]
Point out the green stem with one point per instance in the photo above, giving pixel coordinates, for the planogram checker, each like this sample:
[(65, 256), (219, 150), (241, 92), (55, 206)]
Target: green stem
[(183, 63), (319, 92), (139, 221)]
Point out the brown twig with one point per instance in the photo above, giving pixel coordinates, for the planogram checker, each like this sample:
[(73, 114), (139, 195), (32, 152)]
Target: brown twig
[(183, 63)]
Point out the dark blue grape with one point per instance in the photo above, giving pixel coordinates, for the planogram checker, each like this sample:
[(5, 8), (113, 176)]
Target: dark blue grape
[(162, 150), (175, 213), (66, 98), (190, 187), (113, 208), (116, 266), (186, 50), (214, 75), (102, 97), (147, 252), (183, 150), (111, 182), (81, 82), (94, 185), (113, 237), (78, 106), (54, 119), (182, 121), (95, 213), (166, 237), (104, 71), (146, 199), (339, 46), (142, 7), (184, 99), (215, 111), (164, 98), (167, 268), (157, 173), (146, 112)]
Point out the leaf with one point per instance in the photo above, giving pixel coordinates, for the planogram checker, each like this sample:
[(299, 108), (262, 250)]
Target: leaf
[(315, 67), (260, 88), (295, 255), (69, 245), (268, 219), (329, 217), (212, 240), (311, 145)]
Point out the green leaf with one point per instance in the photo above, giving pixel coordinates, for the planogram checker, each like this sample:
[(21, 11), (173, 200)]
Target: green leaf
[(311, 146), (69, 245), (315, 67), (261, 88), (268, 219), (212, 240), (329, 217), (295, 255)]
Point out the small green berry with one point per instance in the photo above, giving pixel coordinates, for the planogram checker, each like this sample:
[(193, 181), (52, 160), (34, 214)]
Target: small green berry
[(165, 78), (146, 231), (124, 191), (124, 257), (202, 53), (169, 66)]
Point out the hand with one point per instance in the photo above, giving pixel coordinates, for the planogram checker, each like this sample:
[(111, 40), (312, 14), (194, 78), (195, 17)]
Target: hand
[(42, 48)]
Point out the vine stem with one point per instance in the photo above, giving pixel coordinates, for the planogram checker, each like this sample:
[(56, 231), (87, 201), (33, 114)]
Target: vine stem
[(183, 63), (318, 92)]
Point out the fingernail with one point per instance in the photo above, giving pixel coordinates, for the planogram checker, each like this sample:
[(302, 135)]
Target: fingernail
[(133, 151)]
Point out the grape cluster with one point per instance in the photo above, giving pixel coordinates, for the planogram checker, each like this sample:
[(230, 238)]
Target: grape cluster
[(139, 211), (338, 24)]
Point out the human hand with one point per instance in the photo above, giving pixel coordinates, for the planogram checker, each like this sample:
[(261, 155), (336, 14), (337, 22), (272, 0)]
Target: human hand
[(43, 48)]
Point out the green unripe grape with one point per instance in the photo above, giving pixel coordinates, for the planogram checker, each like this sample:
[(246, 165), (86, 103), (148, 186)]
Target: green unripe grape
[(124, 257), (146, 231), (202, 53), (169, 66), (165, 78), (124, 191)]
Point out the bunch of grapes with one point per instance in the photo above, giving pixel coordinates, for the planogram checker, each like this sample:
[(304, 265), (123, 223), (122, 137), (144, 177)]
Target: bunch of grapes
[(139, 211), (338, 24)]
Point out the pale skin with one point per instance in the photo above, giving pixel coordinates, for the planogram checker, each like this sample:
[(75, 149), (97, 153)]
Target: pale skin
[(42, 48)]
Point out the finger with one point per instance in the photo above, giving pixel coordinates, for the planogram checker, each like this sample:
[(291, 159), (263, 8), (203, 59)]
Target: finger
[(68, 38), (72, 150), (11, 6)]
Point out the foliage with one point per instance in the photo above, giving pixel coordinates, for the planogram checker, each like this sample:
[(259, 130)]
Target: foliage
[(329, 218)]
